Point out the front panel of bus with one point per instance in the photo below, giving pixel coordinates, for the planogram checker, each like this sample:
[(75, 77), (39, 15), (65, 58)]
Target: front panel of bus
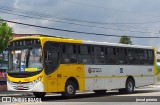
[(25, 70)]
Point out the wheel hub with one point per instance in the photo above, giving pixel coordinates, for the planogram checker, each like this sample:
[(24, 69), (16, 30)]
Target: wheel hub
[(130, 86), (70, 89)]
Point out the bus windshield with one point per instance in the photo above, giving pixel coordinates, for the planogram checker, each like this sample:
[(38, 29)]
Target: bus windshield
[(25, 60)]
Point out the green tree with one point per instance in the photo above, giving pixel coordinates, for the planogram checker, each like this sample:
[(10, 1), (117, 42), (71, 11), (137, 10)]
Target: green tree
[(158, 52), (5, 34), (125, 40)]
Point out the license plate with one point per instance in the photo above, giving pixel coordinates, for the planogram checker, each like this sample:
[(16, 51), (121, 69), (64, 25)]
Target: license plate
[(20, 87)]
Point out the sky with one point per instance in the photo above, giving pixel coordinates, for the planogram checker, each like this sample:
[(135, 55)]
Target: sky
[(140, 18)]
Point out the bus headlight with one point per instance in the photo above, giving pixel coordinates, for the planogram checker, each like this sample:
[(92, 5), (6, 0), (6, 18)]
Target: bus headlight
[(9, 82), (37, 80)]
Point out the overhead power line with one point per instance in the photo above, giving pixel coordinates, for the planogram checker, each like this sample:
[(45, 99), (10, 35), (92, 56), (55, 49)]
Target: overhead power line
[(78, 24), (67, 18), (31, 14), (71, 31)]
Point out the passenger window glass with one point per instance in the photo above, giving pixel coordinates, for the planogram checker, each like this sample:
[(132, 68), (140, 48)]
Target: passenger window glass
[(150, 57), (122, 56), (133, 56), (110, 57), (85, 54), (69, 54), (99, 57)]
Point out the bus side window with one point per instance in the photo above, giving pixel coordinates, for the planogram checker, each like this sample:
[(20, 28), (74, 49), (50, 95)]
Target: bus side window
[(151, 57), (136, 57), (99, 55), (84, 54), (110, 55), (69, 53), (145, 59), (132, 56), (122, 56), (141, 57)]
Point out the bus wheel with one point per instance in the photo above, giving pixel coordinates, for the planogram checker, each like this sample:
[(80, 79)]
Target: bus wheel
[(100, 91), (39, 94), (129, 87), (70, 89)]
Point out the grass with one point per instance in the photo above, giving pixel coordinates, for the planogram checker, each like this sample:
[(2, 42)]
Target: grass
[(158, 68), (158, 77)]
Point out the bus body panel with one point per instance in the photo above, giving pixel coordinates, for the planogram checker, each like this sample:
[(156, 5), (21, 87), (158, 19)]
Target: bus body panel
[(64, 72), (100, 77), (27, 84), (38, 87)]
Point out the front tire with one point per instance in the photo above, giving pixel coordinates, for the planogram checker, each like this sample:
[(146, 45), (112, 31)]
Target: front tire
[(70, 89), (39, 94)]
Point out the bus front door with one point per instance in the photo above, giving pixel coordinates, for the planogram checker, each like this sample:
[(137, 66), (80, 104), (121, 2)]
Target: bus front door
[(51, 60)]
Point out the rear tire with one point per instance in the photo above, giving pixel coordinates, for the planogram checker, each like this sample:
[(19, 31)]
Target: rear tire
[(39, 94), (129, 87), (70, 89)]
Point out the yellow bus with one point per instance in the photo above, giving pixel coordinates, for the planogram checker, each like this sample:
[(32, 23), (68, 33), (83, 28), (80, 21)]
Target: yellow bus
[(42, 64)]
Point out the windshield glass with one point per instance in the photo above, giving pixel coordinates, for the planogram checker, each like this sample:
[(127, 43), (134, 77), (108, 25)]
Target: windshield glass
[(25, 60)]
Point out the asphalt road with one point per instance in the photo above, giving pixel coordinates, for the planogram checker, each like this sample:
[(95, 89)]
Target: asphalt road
[(144, 94), (150, 92), (109, 96)]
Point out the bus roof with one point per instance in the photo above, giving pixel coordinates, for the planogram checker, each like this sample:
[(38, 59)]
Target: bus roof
[(69, 40), (117, 44)]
